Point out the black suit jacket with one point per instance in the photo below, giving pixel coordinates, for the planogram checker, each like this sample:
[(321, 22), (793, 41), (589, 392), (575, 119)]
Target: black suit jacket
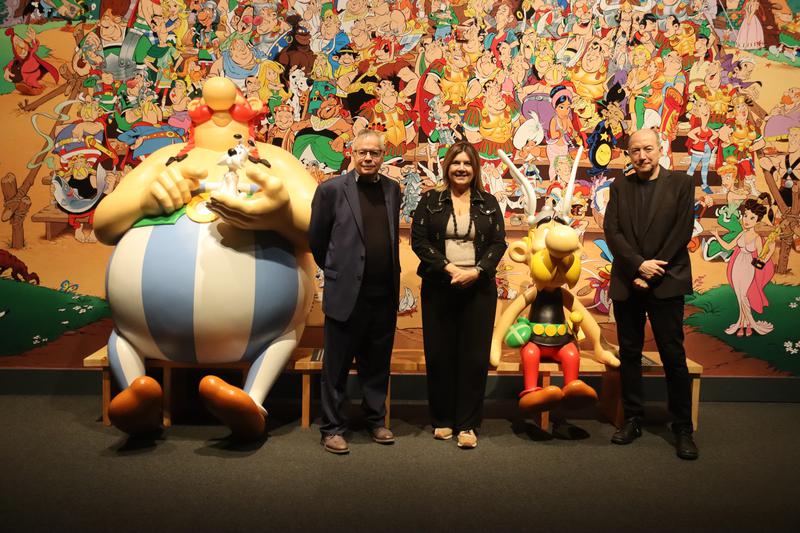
[(665, 235), (336, 239)]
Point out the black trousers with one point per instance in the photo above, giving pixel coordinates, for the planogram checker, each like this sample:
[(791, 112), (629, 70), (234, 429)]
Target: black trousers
[(457, 334), (666, 320), (368, 335)]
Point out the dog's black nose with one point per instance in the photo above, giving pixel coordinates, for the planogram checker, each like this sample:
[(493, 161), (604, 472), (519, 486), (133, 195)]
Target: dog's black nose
[(231, 152)]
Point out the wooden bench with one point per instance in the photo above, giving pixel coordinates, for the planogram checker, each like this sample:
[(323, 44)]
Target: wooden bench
[(55, 221), (99, 360), (308, 361)]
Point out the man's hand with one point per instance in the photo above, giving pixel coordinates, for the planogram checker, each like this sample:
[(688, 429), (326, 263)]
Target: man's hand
[(252, 214), (171, 190), (461, 277), (640, 284), (652, 268)]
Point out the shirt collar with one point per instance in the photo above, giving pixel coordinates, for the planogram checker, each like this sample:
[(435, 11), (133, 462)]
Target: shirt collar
[(359, 177)]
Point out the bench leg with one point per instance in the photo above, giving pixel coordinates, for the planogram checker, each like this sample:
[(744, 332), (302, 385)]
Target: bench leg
[(388, 419), (695, 401), (610, 404), (305, 417), (106, 395), (544, 416), (54, 229), (167, 400)]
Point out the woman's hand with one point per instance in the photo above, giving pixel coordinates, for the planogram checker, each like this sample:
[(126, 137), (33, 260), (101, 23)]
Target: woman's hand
[(461, 277)]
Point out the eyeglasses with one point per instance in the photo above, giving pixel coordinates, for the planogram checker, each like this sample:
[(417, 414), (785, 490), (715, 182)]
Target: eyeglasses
[(647, 149), (371, 153)]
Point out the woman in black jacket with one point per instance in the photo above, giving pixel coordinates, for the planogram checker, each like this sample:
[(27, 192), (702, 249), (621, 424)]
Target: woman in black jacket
[(458, 233)]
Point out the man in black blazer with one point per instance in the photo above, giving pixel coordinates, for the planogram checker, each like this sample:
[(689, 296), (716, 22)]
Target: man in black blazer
[(354, 238), (648, 224)]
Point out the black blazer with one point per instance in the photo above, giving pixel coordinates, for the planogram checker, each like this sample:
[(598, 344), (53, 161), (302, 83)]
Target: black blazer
[(336, 239), (428, 233), (665, 235)]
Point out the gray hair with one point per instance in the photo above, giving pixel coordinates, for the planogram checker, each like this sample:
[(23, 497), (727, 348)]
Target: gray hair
[(366, 132)]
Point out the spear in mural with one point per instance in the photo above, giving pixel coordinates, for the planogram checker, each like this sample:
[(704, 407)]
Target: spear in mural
[(566, 202), (725, 13), (527, 188)]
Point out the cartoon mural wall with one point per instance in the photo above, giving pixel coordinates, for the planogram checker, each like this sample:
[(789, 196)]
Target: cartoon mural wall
[(91, 87)]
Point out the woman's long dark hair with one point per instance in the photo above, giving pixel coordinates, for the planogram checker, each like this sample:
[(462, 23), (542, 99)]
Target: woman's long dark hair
[(474, 160)]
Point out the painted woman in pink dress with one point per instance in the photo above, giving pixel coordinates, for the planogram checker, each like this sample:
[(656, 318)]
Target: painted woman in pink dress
[(751, 32), (746, 279)]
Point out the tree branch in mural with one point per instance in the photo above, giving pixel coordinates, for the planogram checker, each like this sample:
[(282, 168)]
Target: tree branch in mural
[(16, 204), (782, 173), (67, 88)]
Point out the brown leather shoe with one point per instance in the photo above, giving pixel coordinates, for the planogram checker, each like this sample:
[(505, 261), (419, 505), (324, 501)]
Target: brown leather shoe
[(335, 444), (383, 435)]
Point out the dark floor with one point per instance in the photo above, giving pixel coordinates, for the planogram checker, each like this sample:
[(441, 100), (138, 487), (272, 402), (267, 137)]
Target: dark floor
[(61, 470)]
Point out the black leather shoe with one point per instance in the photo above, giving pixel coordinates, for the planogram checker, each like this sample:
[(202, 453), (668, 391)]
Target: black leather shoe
[(685, 446), (630, 431)]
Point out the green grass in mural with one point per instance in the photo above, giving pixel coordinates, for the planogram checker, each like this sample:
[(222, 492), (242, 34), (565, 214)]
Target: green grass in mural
[(5, 49), (780, 348), (33, 316)]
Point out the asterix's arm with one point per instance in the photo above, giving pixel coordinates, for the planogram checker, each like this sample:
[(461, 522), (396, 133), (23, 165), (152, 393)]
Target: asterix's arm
[(581, 318), (506, 319)]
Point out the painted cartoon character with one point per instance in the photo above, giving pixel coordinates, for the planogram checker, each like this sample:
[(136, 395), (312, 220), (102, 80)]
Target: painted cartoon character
[(26, 69), (728, 216), (235, 159), (18, 269), (603, 140), (412, 192), (599, 284), (552, 252), (750, 268), (230, 282)]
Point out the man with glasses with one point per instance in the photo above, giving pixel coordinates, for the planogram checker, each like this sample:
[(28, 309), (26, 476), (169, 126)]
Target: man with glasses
[(648, 224), (354, 238)]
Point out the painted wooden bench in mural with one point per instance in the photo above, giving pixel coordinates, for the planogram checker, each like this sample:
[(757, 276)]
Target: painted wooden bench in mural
[(308, 361), (55, 221)]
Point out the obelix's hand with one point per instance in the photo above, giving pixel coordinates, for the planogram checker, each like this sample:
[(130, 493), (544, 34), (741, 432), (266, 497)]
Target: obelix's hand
[(652, 268), (253, 213), (171, 189)]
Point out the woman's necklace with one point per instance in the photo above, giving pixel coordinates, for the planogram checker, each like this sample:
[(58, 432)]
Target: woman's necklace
[(465, 237)]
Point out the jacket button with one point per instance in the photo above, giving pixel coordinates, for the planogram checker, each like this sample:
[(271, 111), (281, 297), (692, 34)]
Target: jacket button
[(362, 257)]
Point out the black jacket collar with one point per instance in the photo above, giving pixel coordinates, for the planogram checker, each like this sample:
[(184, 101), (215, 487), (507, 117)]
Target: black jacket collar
[(475, 197)]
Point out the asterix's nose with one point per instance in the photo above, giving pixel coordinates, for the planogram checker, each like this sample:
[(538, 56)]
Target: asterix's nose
[(219, 93), (561, 240)]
